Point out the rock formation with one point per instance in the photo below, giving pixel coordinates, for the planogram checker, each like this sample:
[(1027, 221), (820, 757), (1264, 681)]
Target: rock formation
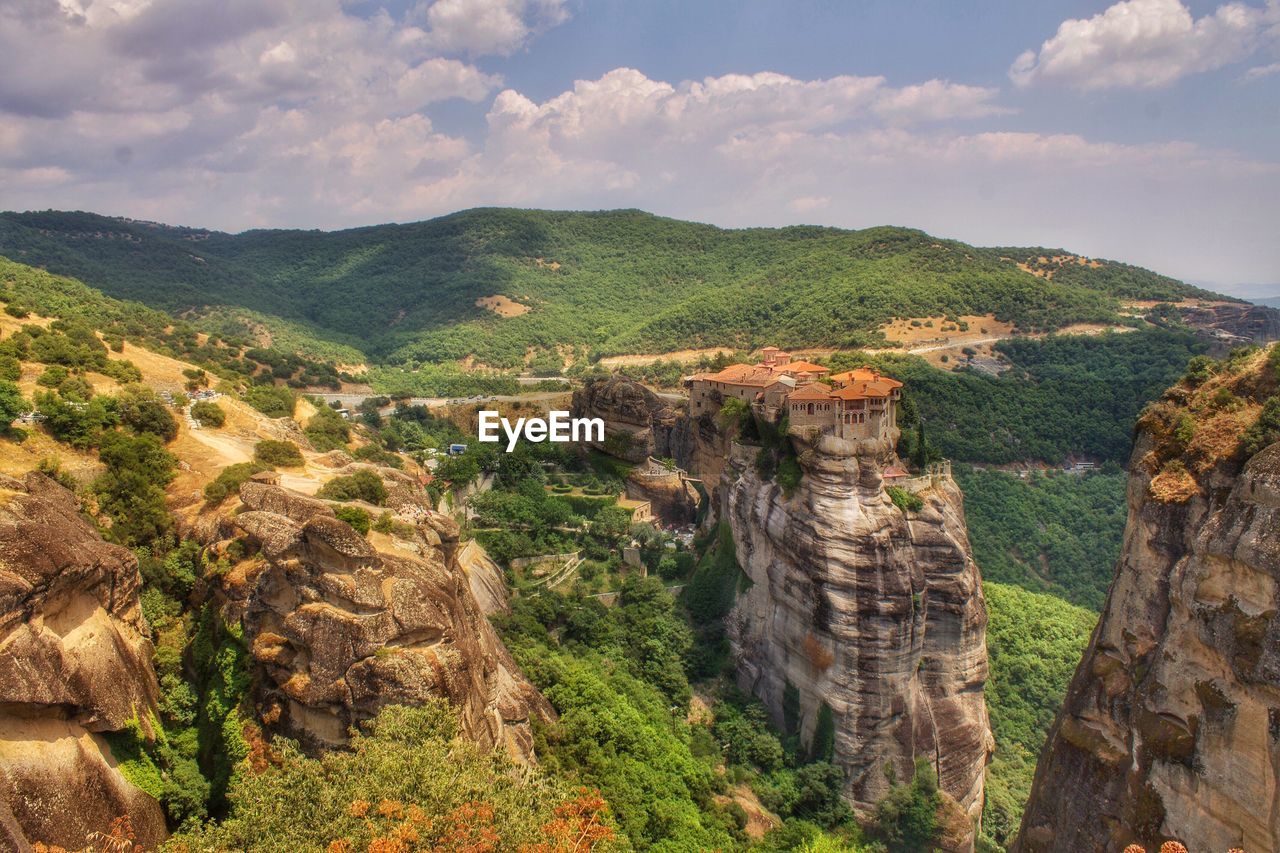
[(340, 630), (1171, 726), (866, 615), (1228, 324), (637, 422), (75, 664)]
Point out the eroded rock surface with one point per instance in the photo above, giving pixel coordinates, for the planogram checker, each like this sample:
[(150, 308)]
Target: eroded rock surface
[(874, 613), (340, 630), (75, 664), (637, 421), (1171, 726)]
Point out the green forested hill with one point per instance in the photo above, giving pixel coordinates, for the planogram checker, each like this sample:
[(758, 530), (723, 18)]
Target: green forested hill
[(614, 281)]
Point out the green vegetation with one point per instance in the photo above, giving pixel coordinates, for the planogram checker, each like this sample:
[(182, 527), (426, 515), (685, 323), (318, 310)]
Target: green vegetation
[(363, 485), (609, 282), (904, 500), (131, 489), (355, 516), (1035, 642), (327, 430), (141, 409), (1056, 533), (274, 401), (272, 452), (907, 817), (409, 779), (1065, 395), (209, 414), (230, 479), (226, 350)]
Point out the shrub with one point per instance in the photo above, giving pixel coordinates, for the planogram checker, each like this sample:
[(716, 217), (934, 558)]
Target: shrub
[(142, 410), (361, 486), (408, 772), (904, 500), (12, 403), (355, 516), (374, 453), (53, 376), (229, 481), (208, 414), (789, 475), (272, 452), (273, 401), (327, 430), (907, 817)]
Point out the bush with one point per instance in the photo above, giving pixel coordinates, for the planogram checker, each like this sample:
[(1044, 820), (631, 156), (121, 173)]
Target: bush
[(408, 771), (12, 404), (904, 500), (327, 430), (143, 411), (355, 516), (229, 481), (272, 452), (273, 401), (361, 486), (375, 454), (907, 817), (208, 414)]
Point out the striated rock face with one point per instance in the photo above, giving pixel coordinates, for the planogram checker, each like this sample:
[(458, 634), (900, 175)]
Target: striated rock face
[(75, 663), (1228, 325), (1171, 726), (340, 630), (875, 613), (637, 422)]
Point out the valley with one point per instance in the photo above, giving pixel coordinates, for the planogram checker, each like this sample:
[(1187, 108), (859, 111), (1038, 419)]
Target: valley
[(830, 595)]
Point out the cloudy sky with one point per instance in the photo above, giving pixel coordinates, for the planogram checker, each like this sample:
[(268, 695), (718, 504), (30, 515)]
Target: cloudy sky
[(1145, 130)]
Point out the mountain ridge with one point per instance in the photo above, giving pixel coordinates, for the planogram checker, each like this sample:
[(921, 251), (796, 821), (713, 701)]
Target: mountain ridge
[(600, 282)]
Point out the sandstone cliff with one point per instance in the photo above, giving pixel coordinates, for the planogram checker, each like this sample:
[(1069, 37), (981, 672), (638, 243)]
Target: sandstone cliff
[(866, 614), (1171, 725), (638, 423), (75, 664), (339, 630)]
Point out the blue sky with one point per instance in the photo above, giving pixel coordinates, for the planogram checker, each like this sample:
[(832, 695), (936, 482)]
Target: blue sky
[(1144, 130)]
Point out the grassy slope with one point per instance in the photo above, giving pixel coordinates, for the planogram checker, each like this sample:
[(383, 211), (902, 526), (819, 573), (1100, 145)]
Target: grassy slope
[(626, 280)]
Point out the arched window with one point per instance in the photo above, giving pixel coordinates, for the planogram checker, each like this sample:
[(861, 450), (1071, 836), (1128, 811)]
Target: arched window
[(811, 408)]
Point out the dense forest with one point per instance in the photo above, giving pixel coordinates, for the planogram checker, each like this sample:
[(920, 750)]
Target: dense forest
[(1065, 395), (608, 282)]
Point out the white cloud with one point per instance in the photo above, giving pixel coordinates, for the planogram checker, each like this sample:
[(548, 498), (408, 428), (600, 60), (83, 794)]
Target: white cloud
[(1146, 44), (1261, 71), (481, 27), (300, 114)]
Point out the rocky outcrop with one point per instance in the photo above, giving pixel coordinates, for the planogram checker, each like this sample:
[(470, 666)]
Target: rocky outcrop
[(1171, 726), (339, 630), (865, 616), (1228, 324), (637, 422), (75, 664)]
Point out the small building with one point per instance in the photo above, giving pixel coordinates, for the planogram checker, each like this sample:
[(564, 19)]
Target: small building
[(457, 449), (641, 511), (270, 478)]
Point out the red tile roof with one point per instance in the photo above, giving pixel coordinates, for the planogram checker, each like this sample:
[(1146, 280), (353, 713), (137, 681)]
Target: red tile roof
[(812, 391), (803, 367)]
